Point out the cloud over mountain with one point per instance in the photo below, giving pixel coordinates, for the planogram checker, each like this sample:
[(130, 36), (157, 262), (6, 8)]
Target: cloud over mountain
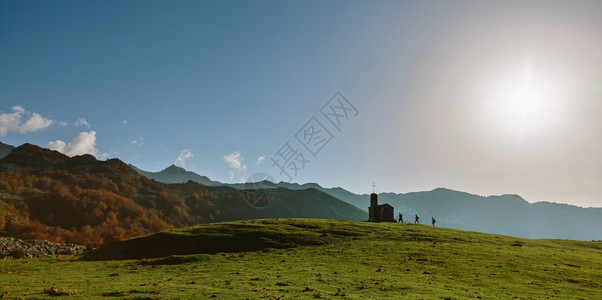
[(83, 143), (234, 161), (184, 155)]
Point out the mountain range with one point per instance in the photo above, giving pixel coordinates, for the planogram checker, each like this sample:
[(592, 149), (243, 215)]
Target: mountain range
[(175, 174), (179, 197), (505, 214), (47, 195)]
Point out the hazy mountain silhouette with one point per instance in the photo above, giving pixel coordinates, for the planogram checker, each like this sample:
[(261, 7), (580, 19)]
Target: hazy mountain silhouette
[(5, 149), (175, 174), (505, 214)]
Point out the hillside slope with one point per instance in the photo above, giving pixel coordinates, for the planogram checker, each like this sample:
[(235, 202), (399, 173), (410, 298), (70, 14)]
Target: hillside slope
[(305, 258), (47, 195)]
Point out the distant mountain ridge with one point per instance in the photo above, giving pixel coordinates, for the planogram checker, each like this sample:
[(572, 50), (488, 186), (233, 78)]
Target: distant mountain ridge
[(175, 174), (504, 214), (5, 149)]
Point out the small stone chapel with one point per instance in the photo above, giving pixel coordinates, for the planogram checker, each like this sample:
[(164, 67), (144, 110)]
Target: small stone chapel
[(379, 213)]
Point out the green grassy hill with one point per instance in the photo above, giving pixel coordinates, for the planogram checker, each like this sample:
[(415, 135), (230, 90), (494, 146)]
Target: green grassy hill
[(307, 258)]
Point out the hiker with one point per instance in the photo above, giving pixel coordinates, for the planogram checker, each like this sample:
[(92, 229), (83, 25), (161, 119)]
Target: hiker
[(433, 221), (416, 221), (400, 218)]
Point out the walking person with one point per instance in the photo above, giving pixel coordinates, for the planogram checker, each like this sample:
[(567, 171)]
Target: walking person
[(400, 218), (416, 220), (433, 221)]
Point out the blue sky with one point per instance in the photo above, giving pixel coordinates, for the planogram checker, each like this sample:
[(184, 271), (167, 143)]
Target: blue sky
[(488, 98)]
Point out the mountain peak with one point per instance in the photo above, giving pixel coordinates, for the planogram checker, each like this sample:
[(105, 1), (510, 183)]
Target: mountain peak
[(32, 157), (175, 174), (174, 168)]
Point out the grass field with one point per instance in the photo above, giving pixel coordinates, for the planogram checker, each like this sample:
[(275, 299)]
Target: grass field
[(310, 258)]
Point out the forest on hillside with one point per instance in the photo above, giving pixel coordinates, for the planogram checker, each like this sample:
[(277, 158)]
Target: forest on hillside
[(92, 209), (47, 195)]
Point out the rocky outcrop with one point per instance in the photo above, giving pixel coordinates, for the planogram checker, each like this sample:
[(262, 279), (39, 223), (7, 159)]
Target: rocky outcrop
[(15, 248)]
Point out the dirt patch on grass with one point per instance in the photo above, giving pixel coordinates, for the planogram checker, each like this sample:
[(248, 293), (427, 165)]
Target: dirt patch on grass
[(54, 291), (130, 292)]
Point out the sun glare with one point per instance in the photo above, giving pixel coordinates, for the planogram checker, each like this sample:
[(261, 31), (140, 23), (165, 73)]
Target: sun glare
[(522, 103), (525, 101)]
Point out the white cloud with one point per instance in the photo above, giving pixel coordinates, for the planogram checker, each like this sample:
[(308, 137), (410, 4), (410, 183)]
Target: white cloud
[(36, 122), (83, 143), (82, 122), (19, 109), (260, 160), (184, 155), (63, 124), (125, 122), (12, 121), (234, 160), (139, 141), (57, 145)]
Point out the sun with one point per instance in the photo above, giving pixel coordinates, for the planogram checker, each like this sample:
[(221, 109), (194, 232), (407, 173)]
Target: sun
[(522, 107), (525, 102)]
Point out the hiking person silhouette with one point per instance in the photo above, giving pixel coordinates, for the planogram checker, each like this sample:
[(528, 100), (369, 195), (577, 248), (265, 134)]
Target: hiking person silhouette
[(400, 218), (416, 221), (433, 221)]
